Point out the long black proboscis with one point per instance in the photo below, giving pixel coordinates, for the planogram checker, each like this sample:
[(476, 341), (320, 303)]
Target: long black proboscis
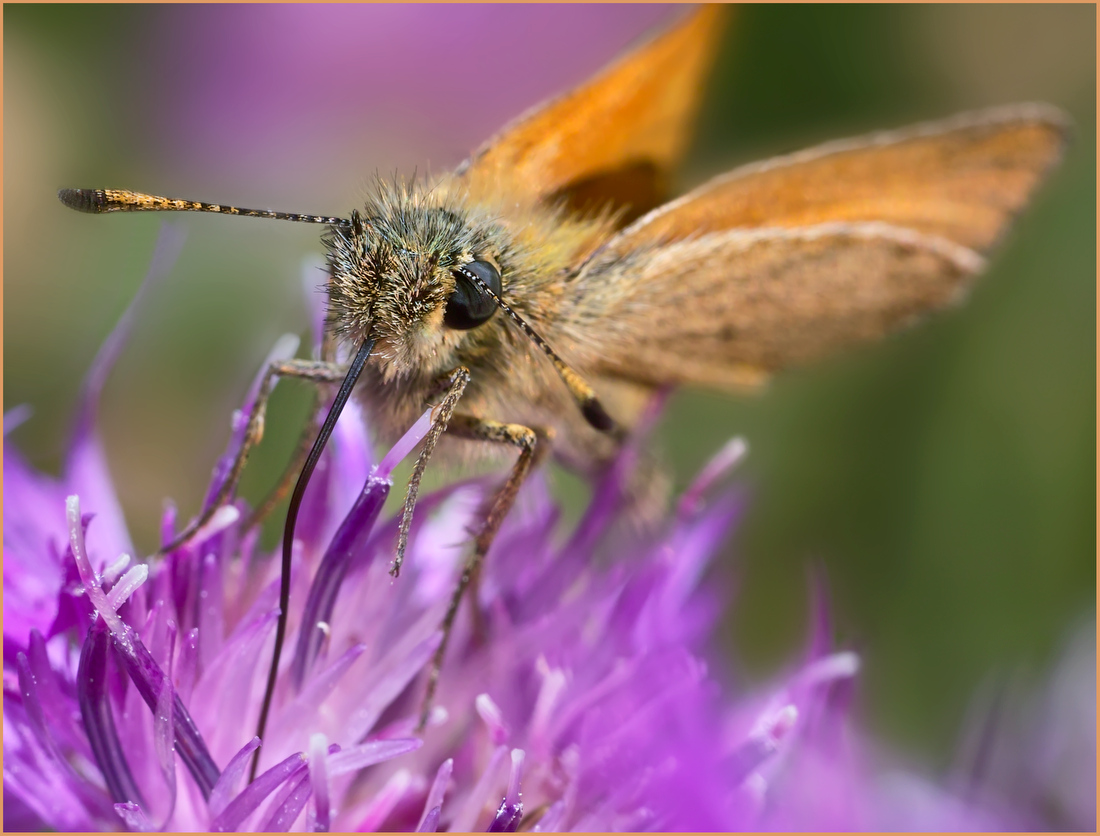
[(288, 532)]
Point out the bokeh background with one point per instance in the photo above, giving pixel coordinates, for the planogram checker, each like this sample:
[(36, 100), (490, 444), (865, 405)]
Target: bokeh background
[(944, 480)]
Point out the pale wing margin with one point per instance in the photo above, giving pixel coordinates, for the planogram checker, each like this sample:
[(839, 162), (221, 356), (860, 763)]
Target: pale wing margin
[(727, 308), (962, 178)]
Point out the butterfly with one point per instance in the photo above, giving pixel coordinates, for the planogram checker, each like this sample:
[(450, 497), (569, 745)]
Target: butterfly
[(537, 296)]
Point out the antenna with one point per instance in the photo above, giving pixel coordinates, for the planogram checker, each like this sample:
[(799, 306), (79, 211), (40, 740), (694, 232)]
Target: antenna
[(102, 201), (578, 387)]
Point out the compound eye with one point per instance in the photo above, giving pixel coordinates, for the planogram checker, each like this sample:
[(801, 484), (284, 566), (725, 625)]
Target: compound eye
[(470, 306)]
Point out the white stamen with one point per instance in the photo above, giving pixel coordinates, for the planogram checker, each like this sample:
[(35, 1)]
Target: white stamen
[(87, 574), (111, 573), (491, 714), (836, 666), (554, 681), (719, 465), (127, 585), (221, 520)]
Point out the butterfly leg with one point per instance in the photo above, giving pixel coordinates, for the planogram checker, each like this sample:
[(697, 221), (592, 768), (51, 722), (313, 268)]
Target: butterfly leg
[(305, 442), (454, 384), (316, 371), (532, 445)]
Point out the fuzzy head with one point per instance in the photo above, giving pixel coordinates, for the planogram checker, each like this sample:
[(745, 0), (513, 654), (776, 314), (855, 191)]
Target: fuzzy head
[(400, 274)]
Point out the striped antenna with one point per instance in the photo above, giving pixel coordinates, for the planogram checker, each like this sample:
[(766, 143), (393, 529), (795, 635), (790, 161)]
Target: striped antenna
[(101, 201), (578, 387)]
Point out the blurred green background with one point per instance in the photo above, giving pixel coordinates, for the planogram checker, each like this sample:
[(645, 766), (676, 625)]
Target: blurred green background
[(945, 480)]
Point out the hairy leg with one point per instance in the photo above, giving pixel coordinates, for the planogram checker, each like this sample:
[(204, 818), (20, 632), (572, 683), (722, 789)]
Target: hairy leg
[(532, 445), (454, 384)]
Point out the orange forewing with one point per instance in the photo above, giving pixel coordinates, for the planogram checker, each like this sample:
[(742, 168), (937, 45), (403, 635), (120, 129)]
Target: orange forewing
[(961, 179), (615, 138)]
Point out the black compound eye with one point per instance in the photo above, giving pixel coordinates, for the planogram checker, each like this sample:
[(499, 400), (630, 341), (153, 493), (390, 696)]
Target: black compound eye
[(469, 306)]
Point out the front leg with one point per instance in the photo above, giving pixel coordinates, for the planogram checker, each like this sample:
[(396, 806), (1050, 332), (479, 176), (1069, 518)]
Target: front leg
[(454, 384), (533, 445)]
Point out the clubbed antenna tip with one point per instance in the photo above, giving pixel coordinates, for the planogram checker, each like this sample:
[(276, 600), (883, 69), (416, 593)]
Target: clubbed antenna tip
[(83, 200)]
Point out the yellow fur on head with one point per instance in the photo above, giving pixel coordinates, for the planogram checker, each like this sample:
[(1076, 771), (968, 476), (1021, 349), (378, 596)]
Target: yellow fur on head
[(392, 268)]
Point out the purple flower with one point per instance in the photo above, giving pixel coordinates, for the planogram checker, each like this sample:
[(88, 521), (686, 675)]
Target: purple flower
[(580, 699)]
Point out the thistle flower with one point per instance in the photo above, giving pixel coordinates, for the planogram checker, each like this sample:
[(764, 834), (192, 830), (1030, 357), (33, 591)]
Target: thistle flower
[(579, 699)]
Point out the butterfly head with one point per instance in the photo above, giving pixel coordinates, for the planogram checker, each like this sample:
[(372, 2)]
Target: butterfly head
[(408, 272)]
